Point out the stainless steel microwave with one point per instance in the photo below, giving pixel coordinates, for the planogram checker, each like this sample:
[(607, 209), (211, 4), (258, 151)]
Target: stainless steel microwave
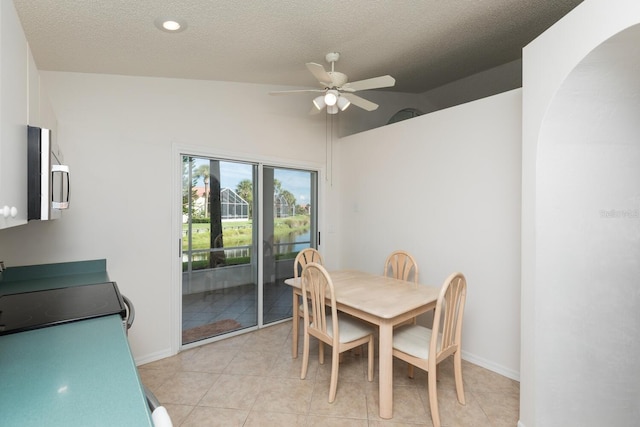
[(48, 179)]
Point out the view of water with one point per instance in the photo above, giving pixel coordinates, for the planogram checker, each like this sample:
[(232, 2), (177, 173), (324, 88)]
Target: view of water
[(293, 242)]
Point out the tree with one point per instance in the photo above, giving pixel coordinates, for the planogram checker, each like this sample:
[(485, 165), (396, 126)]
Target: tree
[(277, 187), (203, 171), (188, 187), (217, 258)]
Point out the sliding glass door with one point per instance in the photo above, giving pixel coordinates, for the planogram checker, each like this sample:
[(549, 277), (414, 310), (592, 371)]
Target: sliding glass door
[(289, 219), (229, 280)]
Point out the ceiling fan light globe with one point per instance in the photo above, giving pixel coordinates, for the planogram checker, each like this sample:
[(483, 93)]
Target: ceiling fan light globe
[(330, 98), (343, 103), (319, 103)]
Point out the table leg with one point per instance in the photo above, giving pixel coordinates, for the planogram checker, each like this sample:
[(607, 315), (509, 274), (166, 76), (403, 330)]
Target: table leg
[(296, 322), (385, 352)]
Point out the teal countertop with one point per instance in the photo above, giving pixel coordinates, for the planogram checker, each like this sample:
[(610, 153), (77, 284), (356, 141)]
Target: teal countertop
[(75, 374), (50, 276)]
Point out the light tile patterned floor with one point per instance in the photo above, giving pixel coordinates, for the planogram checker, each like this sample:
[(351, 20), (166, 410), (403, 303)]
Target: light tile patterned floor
[(251, 380)]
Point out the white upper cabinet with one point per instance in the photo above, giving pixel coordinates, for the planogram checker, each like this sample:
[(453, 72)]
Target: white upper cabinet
[(33, 91), (14, 59), (40, 110)]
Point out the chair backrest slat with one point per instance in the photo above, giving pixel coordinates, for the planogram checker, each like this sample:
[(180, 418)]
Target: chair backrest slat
[(305, 257), (401, 265)]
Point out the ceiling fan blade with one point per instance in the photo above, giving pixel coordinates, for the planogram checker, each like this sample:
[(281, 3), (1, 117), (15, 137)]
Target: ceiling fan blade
[(360, 102), (294, 92), (319, 73), (372, 83)]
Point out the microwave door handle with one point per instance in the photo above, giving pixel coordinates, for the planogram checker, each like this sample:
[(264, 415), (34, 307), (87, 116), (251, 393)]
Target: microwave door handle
[(68, 187), (64, 169), (60, 168)]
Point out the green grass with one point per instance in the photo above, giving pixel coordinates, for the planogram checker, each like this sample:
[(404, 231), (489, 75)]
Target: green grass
[(239, 233)]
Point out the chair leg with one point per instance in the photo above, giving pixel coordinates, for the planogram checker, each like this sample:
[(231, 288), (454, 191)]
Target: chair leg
[(410, 371), (457, 369), (320, 352), (370, 357), (296, 323), (433, 398), (305, 356), (335, 364)]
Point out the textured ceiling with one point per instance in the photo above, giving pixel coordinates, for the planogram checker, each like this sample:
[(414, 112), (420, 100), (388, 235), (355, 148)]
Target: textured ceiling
[(422, 43)]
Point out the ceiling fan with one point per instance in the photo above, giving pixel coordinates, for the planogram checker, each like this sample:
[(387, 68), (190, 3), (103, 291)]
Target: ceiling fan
[(338, 91)]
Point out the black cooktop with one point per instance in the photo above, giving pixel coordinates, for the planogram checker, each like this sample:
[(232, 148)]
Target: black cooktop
[(38, 309)]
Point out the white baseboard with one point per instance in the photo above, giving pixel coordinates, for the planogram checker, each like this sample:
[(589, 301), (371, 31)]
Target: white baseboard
[(148, 358), (492, 366), (487, 364)]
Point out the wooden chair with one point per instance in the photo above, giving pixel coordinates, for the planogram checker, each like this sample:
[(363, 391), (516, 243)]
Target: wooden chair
[(341, 333), (401, 265), (425, 349), (303, 258)]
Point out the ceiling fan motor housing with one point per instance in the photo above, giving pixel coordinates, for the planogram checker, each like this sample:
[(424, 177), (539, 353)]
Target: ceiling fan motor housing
[(332, 57), (337, 79)]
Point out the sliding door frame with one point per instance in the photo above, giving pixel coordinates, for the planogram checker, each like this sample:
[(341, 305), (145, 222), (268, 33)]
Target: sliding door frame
[(179, 150)]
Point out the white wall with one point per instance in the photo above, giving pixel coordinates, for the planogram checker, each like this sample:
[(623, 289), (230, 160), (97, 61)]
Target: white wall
[(580, 241), (446, 187), (460, 175), (117, 134)]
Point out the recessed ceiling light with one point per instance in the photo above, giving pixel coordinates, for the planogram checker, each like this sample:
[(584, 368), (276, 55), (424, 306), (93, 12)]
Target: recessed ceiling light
[(170, 25)]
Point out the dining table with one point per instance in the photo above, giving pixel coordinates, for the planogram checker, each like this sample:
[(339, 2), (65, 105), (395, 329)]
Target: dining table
[(380, 300)]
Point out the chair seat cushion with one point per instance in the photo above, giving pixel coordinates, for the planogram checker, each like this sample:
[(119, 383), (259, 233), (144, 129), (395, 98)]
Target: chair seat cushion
[(413, 340), (350, 329)]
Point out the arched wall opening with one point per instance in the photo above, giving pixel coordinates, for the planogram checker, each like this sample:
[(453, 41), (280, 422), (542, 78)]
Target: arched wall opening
[(587, 297)]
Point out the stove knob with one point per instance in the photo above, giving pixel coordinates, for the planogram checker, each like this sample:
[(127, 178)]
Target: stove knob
[(14, 211), (6, 211)]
